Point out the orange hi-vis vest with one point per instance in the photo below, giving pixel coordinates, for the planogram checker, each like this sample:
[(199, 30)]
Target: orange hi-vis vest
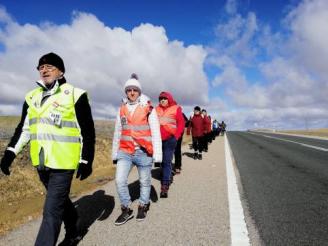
[(135, 129), (167, 118)]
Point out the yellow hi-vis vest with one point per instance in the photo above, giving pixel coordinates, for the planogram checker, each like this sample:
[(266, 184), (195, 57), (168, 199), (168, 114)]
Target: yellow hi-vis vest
[(54, 129)]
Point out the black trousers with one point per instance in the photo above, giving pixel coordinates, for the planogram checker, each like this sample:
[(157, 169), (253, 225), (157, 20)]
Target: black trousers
[(205, 142), (177, 154), (57, 207), (197, 144)]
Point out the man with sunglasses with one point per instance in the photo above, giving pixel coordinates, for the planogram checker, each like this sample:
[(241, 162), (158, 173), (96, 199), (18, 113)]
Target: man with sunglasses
[(56, 118), (136, 141)]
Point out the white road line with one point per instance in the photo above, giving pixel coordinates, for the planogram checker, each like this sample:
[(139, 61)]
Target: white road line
[(290, 141), (238, 229)]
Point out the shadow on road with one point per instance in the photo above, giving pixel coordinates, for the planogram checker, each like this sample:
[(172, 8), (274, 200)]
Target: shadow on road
[(188, 154), (134, 189), (90, 208), (157, 173)]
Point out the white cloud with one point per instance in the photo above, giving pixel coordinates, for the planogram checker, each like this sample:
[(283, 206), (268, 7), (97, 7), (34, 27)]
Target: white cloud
[(100, 59), (231, 6), (308, 24), (293, 87)]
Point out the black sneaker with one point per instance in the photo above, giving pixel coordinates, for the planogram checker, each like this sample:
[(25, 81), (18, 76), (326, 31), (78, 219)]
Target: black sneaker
[(142, 212), (200, 156), (71, 240), (195, 156), (125, 216)]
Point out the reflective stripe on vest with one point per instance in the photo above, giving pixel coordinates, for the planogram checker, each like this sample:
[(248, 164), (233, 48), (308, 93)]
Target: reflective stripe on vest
[(167, 118), (135, 129), (55, 141), (57, 138), (48, 121)]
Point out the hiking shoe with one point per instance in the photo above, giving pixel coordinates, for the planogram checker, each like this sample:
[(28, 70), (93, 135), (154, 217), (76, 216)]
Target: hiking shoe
[(164, 191), (200, 156), (142, 212), (125, 216), (71, 240), (177, 171)]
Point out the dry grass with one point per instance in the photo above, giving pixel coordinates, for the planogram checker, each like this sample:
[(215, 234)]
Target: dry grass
[(22, 194), (312, 132)]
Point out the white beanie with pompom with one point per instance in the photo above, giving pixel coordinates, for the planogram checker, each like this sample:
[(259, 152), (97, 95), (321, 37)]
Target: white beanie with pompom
[(132, 83)]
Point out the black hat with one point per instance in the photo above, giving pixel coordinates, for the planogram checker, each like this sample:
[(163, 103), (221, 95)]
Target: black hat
[(197, 108), (52, 59)]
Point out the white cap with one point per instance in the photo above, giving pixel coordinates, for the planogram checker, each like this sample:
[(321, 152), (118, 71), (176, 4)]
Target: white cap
[(132, 83)]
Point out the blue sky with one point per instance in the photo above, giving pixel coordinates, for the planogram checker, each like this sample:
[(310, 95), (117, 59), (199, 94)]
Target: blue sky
[(189, 21), (249, 62)]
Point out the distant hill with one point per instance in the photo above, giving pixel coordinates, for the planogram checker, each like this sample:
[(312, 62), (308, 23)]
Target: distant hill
[(9, 123)]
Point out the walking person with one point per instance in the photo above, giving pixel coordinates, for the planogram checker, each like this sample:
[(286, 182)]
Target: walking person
[(56, 119), (177, 152), (215, 127), (172, 126), (223, 128), (137, 141), (197, 128), (207, 129)]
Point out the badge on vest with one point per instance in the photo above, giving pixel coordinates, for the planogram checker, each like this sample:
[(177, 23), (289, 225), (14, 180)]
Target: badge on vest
[(56, 118), (124, 121)]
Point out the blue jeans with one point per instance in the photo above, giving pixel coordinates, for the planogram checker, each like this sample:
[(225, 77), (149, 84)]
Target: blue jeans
[(168, 147), (125, 162)]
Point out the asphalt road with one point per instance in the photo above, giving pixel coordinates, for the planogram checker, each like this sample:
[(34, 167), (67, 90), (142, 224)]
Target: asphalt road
[(284, 186)]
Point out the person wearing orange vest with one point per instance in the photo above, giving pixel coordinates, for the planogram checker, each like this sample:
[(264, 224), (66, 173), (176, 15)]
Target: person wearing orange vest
[(172, 126), (136, 141)]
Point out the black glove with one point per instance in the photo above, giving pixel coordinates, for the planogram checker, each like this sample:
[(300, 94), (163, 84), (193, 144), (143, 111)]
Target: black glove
[(83, 171), (157, 164), (6, 161), (114, 162)]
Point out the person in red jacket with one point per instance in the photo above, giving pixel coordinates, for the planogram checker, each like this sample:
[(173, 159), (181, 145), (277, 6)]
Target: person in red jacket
[(172, 126), (197, 128), (207, 130)]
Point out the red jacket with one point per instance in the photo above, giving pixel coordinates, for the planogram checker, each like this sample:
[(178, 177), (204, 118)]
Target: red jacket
[(179, 118), (197, 125), (207, 120)]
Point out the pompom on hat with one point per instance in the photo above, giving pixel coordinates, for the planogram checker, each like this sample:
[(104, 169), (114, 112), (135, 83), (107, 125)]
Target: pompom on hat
[(132, 83)]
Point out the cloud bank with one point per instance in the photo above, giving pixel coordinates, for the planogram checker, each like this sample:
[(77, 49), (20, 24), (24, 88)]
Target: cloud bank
[(99, 59), (291, 88)]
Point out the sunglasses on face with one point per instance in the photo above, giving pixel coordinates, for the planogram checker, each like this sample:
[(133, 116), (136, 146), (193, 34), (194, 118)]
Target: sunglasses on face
[(132, 89), (162, 98), (46, 67)]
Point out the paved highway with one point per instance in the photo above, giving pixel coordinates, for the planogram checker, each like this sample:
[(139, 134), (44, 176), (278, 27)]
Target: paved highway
[(284, 183)]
